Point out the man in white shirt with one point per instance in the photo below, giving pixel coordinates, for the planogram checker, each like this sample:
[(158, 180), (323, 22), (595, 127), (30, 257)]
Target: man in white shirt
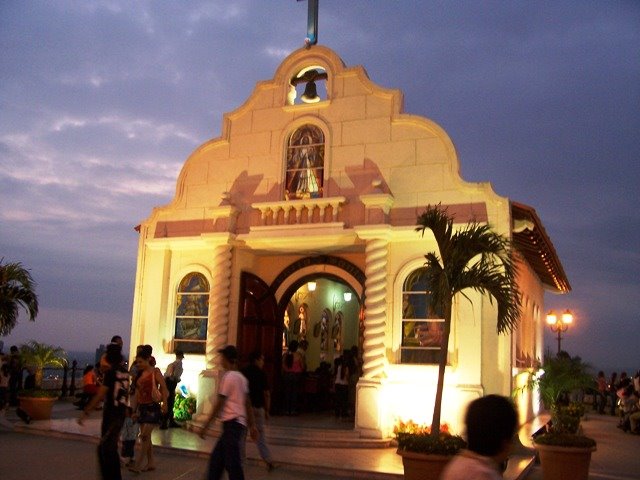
[(233, 407), (491, 424), (172, 376)]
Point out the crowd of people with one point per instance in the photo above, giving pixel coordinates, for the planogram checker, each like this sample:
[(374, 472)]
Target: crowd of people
[(621, 395), (340, 389), (134, 402)]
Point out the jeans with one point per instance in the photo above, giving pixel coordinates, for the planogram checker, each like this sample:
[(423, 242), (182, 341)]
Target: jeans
[(108, 457), (600, 401), (265, 454), (171, 399), (228, 452)]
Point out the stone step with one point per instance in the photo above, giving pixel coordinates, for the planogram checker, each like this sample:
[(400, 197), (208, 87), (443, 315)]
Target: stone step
[(310, 437)]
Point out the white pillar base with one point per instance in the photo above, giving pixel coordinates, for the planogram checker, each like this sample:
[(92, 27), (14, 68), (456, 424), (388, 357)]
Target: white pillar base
[(207, 382), (369, 412)]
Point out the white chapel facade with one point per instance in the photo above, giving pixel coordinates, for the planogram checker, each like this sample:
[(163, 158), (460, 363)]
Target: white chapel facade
[(298, 222)]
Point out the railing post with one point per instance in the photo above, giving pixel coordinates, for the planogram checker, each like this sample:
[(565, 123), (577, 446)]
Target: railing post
[(72, 386), (63, 390)]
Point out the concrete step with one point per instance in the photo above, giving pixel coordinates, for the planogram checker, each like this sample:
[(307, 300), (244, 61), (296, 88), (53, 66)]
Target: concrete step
[(310, 437)]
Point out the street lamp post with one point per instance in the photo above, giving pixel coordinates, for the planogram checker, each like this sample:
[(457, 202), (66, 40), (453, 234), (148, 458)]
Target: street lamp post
[(559, 325)]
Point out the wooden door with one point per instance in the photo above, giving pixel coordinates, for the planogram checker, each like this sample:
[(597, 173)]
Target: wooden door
[(260, 327)]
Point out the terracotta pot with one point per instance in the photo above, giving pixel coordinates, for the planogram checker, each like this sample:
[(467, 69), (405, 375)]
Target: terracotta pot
[(38, 408), (423, 466), (561, 463)]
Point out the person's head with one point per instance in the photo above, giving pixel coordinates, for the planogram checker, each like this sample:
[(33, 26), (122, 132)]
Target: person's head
[(293, 346), (179, 354), (117, 339), (145, 351), (87, 369), (228, 357), (600, 373), (13, 349), (113, 355), (491, 422), (143, 357), (256, 358)]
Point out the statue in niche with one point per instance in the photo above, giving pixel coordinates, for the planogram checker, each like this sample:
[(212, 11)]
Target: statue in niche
[(286, 330), (305, 162), (322, 328), (300, 325), (336, 333)]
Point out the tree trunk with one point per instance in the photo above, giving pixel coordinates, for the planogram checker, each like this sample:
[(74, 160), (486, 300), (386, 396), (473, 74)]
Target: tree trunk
[(444, 350), (38, 377)]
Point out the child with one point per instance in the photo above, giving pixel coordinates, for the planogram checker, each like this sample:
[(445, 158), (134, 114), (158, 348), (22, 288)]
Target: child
[(129, 434)]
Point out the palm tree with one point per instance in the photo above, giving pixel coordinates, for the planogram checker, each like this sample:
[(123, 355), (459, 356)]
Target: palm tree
[(17, 289), (39, 356), (472, 258)]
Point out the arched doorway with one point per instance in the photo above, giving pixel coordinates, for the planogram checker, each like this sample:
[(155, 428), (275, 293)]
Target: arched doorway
[(317, 299), (323, 314)]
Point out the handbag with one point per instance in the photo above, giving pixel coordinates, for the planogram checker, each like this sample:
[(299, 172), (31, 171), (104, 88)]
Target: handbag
[(156, 395)]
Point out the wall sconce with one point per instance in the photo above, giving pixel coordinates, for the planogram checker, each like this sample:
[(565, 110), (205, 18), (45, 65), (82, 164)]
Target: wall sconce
[(347, 296), (312, 286)]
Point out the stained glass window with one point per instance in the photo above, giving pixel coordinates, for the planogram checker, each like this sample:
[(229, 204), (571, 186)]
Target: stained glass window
[(422, 329), (192, 312), (305, 163)]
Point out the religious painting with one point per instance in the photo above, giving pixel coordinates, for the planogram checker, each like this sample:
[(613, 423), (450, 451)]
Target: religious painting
[(304, 176), (192, 313), (422, 328)]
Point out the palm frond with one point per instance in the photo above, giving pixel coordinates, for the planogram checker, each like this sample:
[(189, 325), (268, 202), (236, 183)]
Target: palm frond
[(17, 290)]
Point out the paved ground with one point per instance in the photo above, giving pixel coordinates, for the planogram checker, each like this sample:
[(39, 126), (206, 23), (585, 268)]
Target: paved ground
[(58, 449), (26, 457), (618, 453)]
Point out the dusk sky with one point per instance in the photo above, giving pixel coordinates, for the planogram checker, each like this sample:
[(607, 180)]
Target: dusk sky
[(101, 102)]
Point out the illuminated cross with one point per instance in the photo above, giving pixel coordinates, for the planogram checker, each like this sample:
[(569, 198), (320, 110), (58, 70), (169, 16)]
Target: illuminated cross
[(312, 23)]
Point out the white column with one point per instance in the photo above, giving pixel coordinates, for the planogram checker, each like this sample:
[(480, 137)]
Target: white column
[(219, 305), (375, 307), (369, 408)]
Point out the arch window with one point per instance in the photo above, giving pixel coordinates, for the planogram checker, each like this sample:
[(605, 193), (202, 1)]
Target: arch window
[(304, 177), (192, 313), (422, 328)]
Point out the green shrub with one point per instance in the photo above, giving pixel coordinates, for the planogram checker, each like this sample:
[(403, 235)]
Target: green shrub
[(184, 407), (444, 444), (565, 440)]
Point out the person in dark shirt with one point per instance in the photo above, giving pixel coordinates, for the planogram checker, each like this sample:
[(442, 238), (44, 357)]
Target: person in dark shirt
[(115, 393), (260, 397)]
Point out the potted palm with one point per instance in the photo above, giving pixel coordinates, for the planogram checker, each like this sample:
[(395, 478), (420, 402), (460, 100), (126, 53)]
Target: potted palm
[(424, 456), (36, 356), (563, 450), (473, 257)]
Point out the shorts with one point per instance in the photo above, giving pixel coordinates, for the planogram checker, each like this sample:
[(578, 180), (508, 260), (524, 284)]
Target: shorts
[(149, 413)]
